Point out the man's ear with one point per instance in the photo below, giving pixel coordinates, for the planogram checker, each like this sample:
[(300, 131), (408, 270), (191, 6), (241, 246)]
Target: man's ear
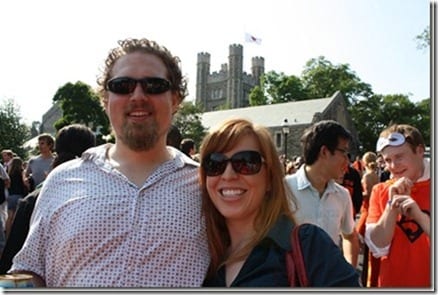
[(175, 103), (420, 149), (324, 152)]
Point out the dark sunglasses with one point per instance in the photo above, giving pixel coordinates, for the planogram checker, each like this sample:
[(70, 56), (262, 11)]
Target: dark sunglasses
[(150, 85), (244, 162)]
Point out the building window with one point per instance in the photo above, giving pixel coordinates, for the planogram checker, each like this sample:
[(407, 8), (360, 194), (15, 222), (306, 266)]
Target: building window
[(278, 140)]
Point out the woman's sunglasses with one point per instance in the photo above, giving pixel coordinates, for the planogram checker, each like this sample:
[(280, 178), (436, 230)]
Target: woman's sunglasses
[(244, 162), (150, 85)]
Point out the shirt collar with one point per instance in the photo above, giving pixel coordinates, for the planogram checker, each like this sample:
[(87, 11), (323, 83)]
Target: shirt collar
[(303, 182), (426, 171), (180, 158), (99, 155)]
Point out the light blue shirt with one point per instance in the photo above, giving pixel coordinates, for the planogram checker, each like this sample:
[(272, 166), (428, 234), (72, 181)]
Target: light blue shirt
[(333, 211)]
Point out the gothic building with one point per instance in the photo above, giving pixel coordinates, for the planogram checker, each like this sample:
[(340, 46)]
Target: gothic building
[(295, 116), (230, 87)]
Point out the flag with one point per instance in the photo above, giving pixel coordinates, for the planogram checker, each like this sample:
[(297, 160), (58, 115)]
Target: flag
[(251, 39)]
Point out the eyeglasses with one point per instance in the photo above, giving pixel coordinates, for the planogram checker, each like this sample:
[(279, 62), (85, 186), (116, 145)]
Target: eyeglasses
[(393, 139), (244, 162), (150, 85), (345, 152)]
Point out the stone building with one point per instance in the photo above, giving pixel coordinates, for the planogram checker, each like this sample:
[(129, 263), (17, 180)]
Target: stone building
[(230, 87), (49, 118), (298, 115)]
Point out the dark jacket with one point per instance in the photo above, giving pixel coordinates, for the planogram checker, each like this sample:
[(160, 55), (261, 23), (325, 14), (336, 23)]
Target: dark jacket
[(19, 230), (266, 264), (352, 181)]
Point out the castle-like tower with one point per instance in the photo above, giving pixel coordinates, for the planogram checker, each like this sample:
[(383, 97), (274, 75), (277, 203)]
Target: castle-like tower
[(230, 87)]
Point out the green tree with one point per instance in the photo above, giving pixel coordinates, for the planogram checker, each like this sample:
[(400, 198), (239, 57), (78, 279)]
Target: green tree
[(372, 115), (81, 104), (423, 39), (282, 88), (422, 119), (13, 132), (188, 121), (257, 96), (322, 79)]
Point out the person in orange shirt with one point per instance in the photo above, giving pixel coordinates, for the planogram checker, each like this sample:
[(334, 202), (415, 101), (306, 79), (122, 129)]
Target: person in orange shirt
[(398, 223), (359, 165)]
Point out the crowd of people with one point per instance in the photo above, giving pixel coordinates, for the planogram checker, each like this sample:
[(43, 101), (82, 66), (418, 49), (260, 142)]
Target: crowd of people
[(149, 210)]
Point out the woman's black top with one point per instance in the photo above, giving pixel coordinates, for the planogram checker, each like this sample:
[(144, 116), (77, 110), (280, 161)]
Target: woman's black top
[(266, 264), (19, 230)]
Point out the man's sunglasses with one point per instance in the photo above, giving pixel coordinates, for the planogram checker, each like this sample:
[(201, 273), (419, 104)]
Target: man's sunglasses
[(244, 162), (126, 85)]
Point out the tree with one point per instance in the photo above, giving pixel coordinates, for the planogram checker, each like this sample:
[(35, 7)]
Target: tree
[(423, 39), (291, 88), (81, 104), (281, 88), (370, 112), (257, 97), (422, 119), (188, 121), (13, 133), (322, 79), (372, 115)]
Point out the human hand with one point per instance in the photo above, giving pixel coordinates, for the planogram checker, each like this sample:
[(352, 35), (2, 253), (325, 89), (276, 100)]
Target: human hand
[(406, 206), (401, 186)]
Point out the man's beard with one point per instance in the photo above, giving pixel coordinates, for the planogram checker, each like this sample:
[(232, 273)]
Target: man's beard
[(140, 137)]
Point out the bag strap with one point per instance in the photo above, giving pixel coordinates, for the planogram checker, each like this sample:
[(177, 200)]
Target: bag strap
[(296, 270)]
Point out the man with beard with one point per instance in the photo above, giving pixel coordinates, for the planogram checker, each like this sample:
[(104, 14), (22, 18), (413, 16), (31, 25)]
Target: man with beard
[(126, 214)]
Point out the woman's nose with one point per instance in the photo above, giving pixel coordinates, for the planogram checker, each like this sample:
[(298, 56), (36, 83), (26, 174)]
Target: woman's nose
[(229, 172)]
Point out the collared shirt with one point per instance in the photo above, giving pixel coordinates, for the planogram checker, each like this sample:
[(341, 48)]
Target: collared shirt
[(92, 227), (266, 264), (333, 211)]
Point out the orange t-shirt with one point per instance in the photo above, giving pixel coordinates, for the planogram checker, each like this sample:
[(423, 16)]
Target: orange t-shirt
[(408, 261)]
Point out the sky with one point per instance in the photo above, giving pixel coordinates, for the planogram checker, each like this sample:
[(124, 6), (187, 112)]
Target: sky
[(48, 43)]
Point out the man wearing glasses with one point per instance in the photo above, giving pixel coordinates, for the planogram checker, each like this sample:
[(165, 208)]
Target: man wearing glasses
[(398, 223), (322, 201), (126, 214)]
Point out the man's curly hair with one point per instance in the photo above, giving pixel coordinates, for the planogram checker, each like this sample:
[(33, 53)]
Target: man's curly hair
[(127, 46)]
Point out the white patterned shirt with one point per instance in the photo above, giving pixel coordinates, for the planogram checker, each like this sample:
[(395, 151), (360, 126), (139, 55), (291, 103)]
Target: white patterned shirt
[(92, 227), (333, 212)]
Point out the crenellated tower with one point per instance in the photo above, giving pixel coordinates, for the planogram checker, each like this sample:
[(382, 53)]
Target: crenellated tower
[(258, 67), (229, 87), (202, 73)]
